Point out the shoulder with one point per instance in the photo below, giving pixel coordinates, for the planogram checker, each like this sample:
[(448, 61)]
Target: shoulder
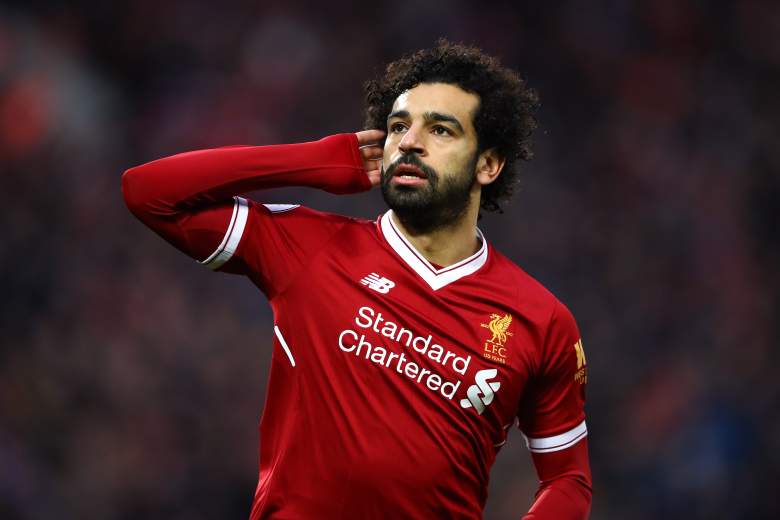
[(530, 296), (528, 291)]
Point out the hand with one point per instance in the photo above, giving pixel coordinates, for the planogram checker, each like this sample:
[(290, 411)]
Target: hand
[(370, 143)]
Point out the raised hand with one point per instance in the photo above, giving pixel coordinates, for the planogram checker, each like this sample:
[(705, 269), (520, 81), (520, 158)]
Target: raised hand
[(370, 143)]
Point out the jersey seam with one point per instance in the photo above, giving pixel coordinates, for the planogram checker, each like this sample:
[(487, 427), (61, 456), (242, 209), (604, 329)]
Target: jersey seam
[(542, 355), (547, 334)]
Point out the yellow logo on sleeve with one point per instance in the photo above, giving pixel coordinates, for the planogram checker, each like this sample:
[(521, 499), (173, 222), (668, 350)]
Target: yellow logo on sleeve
[(581, 376)]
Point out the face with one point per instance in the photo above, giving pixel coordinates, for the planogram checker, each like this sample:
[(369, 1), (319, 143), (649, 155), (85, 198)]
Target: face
[(430, 155)]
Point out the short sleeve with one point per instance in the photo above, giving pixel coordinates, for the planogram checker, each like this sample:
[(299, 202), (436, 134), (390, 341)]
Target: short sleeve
[(270, 243), (552, 412)]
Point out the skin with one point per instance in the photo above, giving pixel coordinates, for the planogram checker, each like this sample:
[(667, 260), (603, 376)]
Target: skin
[(447, 147)]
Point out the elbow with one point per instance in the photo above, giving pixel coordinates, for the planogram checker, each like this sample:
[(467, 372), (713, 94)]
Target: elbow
[(132, 191), (587, 495), (578, 491), (584, 484), (563, 498), (146, 196), (142, 192)]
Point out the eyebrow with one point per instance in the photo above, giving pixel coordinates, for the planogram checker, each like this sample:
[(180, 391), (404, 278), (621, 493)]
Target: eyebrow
[(430, 116)]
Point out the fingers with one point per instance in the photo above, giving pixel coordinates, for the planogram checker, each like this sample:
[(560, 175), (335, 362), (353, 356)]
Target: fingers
[(370, 137), (372, 157), (373, 164), (374, 170), (374, 176), (370, 153), (371, 143)]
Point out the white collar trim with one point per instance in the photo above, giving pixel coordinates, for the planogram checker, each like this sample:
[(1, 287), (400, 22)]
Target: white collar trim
[(436, 278)]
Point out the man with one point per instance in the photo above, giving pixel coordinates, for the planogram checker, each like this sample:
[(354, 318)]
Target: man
[(405, 348)]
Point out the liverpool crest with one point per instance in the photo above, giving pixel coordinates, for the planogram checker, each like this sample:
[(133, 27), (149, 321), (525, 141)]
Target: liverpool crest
[(494, 348)]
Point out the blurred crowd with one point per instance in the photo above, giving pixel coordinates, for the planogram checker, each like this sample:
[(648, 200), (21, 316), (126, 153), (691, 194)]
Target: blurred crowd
[(132, 380)]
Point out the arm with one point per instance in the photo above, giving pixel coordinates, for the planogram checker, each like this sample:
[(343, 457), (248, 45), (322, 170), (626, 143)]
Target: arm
[(552, 419), (188, 198)]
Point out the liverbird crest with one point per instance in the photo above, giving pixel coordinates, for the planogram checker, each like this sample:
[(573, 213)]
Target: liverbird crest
[(499, 326)]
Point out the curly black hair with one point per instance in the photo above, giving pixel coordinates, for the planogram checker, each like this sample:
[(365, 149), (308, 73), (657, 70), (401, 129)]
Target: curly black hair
[(505, 117)]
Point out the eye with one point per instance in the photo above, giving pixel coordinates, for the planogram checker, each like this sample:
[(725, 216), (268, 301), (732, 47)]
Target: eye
[(441, 130), (397, 127)]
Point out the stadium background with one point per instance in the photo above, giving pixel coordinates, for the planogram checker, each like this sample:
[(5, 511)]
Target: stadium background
[(131, 379)]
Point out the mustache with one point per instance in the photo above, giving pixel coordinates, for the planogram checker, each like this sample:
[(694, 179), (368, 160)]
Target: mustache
[(413, 160)]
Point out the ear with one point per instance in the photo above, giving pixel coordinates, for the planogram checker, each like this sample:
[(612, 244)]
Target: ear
[(489, 166)]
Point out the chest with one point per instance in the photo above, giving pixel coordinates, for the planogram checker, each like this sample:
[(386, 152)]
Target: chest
[(463, 350)]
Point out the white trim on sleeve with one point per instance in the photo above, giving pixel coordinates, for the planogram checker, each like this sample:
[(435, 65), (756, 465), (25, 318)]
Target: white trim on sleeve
[(557, 442), (235, 230), (281, 208)]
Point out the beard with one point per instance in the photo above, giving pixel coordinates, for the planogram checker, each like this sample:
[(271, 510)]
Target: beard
[(438, 203)]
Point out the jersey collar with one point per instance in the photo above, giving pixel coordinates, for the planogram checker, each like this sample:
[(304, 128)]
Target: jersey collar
[(436, 278)]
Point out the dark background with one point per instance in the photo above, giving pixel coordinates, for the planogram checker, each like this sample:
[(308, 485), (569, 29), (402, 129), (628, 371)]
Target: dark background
[(132, 379)]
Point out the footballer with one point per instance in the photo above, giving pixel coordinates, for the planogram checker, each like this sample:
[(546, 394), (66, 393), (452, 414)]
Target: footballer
[(406, 347)]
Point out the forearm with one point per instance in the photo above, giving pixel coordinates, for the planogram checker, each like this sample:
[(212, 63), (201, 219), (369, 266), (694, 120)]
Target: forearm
[(562, 499), (565, 488), (190, 180)]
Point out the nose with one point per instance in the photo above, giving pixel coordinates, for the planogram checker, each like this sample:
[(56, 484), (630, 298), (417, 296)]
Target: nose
[(412, 142)]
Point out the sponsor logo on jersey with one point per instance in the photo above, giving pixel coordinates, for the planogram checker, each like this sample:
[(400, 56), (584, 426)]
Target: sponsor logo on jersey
[(378, 283), (419, 358), (581, 376), (494, 348), (481, 394)]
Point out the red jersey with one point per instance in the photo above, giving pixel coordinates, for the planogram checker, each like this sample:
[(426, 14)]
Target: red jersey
[(393, 382)]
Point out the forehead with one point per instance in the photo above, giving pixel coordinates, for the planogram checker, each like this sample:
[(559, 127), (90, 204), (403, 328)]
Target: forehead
[(439, 97)]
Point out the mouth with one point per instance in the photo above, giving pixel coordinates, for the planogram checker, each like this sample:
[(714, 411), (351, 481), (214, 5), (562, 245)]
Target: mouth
[(409, 174)]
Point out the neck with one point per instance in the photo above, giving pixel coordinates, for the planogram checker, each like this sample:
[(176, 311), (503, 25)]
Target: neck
[(448, 244)]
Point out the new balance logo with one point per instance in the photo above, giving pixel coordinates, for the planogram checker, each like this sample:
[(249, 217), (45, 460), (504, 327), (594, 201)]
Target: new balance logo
[(378, 283), (482, 393)]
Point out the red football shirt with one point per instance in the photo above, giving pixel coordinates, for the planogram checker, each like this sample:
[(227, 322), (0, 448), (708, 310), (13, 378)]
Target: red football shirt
[(393, 382)]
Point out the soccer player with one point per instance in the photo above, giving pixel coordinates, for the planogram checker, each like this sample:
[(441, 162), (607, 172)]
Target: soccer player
[(406, 347)]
